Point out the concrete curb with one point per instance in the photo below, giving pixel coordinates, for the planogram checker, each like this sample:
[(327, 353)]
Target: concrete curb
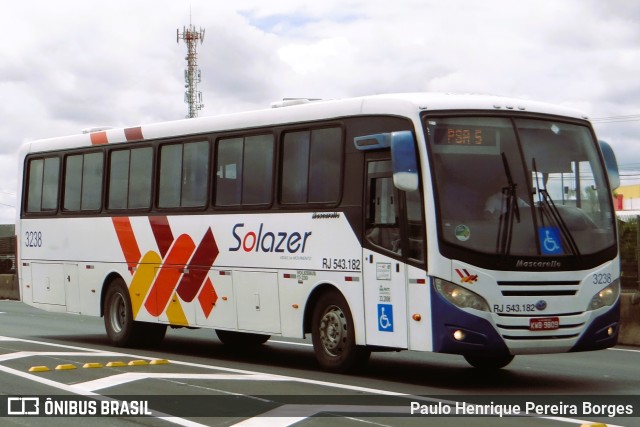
[(9, 287), (629, 318)]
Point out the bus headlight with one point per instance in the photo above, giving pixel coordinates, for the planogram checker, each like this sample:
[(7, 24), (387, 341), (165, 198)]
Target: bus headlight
[(606, 296), (459, 296)]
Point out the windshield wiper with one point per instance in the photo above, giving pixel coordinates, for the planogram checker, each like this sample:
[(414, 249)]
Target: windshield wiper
[(554, 213), (511, 210)]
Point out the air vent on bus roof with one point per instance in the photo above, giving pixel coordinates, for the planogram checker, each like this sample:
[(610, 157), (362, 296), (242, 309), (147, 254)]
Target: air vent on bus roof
[(96, 129), (286, 102)]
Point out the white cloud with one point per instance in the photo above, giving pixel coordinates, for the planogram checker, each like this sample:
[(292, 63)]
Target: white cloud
[(71, 64)]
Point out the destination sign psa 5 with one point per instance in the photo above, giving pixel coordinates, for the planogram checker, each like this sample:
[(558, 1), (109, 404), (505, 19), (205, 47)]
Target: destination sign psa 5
[(458, 135)]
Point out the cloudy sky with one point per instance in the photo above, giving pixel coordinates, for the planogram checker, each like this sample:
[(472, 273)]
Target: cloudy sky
[(66, 65)]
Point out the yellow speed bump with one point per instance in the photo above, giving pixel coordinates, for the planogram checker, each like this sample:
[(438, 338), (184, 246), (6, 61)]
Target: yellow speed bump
[(65, 367), (116, 364), (159, 362), (38, 369), (138, 363), (92, 365)]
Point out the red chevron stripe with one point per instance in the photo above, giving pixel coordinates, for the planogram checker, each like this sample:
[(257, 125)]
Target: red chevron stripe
[(162, 232), (202, 260)]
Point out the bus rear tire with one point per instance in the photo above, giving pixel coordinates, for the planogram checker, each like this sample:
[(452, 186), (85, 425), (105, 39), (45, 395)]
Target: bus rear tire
[(333, 335), (489, 362), (241, 339), (121, 329)]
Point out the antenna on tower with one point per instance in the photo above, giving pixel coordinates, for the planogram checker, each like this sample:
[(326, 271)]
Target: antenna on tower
[(192, 75)]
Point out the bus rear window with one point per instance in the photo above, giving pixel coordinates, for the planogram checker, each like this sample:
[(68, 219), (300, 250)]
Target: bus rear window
[(43, 184)]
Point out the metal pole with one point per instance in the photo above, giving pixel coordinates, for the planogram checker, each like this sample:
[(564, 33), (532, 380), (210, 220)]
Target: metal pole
[(638, 249)]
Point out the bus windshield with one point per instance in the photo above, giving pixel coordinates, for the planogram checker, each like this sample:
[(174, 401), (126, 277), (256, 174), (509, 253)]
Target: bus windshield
[(519, 187)]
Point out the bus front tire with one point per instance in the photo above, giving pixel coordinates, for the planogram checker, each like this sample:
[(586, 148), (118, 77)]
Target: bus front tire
[(489, 362), (333, 335), (121, 329)]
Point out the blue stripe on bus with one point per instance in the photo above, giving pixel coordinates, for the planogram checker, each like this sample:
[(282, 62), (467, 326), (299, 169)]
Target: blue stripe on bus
[(597, 337), (481, 336)]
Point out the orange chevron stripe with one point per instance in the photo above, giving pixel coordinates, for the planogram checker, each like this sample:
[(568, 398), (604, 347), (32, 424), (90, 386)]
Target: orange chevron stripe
[(169, 274), (127, 240)]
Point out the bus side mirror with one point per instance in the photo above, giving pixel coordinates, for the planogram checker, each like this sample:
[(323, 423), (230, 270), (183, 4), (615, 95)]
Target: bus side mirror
[(611, 164), (403, 160)]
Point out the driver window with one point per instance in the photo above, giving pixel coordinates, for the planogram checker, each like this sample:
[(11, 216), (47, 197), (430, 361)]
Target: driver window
[(382, 226)]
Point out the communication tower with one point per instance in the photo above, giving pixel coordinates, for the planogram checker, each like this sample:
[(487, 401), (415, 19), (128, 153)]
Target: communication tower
[(192, 75)]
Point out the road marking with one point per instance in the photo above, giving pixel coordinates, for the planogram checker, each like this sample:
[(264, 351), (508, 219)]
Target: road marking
[(624, 349), (301, 344), (289, 414), (120, 379), (71, 388)]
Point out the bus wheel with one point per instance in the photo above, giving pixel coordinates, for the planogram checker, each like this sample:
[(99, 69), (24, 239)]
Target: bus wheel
[(118, 317), (241, 339), (333, 335), (489, 362), (122, 330)]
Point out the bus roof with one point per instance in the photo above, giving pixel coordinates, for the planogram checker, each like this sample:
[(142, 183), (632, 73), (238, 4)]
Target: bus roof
[(407, 104)]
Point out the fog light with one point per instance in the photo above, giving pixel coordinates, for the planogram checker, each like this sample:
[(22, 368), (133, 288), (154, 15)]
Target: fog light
[(610, 331), (459, 335)]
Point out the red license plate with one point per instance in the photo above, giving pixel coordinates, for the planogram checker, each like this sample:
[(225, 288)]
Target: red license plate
[(544, 324)]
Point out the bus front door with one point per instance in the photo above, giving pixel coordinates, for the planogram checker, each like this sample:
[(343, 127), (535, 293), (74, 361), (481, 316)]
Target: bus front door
[(384, 272)]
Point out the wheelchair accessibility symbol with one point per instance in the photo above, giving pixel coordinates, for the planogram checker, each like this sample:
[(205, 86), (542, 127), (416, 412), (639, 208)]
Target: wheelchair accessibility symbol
[(385, 317), (550, 242)]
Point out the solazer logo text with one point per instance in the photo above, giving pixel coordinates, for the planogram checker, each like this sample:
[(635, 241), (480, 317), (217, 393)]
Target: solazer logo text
[(269, 241)]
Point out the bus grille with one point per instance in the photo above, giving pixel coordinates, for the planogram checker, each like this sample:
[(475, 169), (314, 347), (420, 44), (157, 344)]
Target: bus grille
[(538, 289)]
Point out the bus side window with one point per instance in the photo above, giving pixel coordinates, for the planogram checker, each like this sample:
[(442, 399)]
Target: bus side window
[(244, 171), (195, 174), (184, 170), (312, 166), (394, 218), (130, 178), (83, 182), (229, 172)]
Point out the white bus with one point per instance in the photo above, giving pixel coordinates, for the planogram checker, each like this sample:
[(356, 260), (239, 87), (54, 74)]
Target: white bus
[(471, 225)]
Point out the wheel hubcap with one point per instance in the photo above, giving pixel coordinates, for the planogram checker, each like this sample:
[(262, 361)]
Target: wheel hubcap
[(333, 331), (118, 313)]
